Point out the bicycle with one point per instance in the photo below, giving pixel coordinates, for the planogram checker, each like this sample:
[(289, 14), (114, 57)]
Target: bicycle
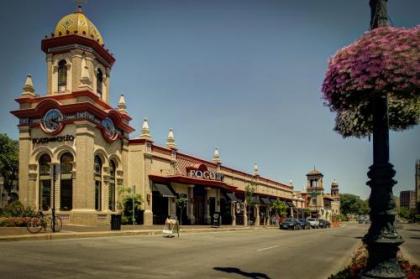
[(37, 223)]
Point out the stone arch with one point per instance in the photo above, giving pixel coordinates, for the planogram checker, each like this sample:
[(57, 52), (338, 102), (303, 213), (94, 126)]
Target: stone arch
[(117, 161), (64, 149), (102, 154), (38, 152)]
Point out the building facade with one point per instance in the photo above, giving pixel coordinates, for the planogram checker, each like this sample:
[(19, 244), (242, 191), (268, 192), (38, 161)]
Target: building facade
[(76, 155), (321, 205), (408, 199)]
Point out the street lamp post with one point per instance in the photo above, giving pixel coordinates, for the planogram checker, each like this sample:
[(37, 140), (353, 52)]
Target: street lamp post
[(55, 168), (382, 239)]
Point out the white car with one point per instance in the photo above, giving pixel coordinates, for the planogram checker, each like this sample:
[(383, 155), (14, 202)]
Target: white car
[(314, 222)]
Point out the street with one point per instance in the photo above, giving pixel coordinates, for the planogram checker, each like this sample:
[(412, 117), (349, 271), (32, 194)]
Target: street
[(270, 253)]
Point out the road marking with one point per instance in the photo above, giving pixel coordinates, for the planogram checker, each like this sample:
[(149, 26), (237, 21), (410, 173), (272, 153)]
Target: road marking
[(267, 248)]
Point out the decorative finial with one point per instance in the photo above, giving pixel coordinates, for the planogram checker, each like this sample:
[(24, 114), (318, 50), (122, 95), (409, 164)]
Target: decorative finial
[(122, 107), (79, 5), (28, 88), (216, 156), (256, 170), (291, 182), (145, 130), (170, 141)]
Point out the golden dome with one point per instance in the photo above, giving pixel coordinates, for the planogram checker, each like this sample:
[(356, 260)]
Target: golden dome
[(77, 23)]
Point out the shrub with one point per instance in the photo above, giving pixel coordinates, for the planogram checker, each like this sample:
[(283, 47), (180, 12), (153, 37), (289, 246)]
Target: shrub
[(16, 209)]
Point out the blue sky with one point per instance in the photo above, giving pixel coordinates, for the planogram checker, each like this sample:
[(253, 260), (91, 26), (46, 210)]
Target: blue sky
[(242, 75)]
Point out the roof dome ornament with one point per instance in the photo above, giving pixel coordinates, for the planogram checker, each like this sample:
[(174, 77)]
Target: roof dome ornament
[(256, 170), (28, 88), (170, 141), (145, 130), (78, 24), (122, 106), (216, 156)]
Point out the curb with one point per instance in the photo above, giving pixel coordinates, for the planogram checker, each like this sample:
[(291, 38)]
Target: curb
[(69, 235)]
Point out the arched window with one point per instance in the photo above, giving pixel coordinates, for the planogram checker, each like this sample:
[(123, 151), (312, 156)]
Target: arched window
[(112, 182), (98, 182), (99, 82), (62, 76), (44, 182), (66, 181)]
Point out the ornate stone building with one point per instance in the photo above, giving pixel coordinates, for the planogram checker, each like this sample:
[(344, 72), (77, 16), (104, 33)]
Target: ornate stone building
[(322, 205), (75, 153)]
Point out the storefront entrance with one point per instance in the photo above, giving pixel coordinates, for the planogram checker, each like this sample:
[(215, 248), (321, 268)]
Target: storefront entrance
[(199, 205), (160, 208), (225, 211)]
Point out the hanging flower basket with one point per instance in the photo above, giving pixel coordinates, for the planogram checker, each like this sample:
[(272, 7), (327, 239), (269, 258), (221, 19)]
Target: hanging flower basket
[(383, 61)]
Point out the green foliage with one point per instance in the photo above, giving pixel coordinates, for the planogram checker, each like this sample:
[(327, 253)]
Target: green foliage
[(407, 213), (9, 161), (16, 209), (280, 207), (181, 201), (249, 193), (352, 204), (125, 203)]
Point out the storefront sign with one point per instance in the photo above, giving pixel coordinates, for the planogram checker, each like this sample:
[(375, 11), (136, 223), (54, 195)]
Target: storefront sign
[(53, 139), (210, 175)]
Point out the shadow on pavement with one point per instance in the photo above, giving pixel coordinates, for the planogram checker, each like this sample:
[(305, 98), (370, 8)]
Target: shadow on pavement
[(255, 275)]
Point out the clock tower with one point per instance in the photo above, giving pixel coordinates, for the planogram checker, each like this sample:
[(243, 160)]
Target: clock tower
[(73, 144)]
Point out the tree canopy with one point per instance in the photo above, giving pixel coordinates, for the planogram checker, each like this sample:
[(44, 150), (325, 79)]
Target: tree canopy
[(352, 204), (9, 160)]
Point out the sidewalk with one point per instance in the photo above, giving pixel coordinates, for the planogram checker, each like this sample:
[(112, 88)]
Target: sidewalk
[(78, 231)]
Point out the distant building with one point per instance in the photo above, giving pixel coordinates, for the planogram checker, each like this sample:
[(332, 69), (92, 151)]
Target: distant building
[(321, 205), (408, 199), (418, 186)]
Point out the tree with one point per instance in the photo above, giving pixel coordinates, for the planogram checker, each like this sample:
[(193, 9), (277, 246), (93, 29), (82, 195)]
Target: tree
[(407, 213), (9, 161), (249, 193), (352, 204), (181, 203), (280, 207), (249, 197), (128, 202)]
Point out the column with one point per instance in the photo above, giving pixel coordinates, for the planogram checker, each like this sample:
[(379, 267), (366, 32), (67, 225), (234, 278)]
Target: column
[(233, 212), (245, 214), (257, 218), (191, 204), (207, 207)]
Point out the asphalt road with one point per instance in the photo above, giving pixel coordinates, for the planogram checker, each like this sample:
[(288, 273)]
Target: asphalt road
[(270, 253)]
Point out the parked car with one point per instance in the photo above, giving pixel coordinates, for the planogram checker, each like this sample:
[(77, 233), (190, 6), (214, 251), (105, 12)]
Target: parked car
[(364, 219), (324, 224), (314, 222), (290, 224), (304, 224)]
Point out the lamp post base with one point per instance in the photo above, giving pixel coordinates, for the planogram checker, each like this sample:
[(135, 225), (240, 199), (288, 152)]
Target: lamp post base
[(383, 262)]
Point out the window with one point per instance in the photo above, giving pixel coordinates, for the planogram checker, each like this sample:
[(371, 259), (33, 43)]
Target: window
[(62, 75), (66, 182), (99, 82), (98, 182), (111, 193), (44, 182)]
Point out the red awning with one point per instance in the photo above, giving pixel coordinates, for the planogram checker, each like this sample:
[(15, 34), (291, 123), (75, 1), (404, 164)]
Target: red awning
[(190, 180)]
